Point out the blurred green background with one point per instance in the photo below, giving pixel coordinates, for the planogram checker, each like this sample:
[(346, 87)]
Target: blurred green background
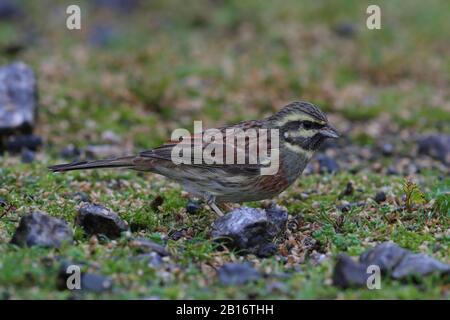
[(143, 68)]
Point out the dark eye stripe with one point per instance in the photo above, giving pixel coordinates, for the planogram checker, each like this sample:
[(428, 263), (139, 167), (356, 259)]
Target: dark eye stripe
[(306, 124)]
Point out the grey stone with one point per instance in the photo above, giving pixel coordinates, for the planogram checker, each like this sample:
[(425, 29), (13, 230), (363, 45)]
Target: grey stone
[(96, 219), (27, 156), (348, 273), (386, 255), (153, 259), (18, 96), (93, 282), (380, 197), (10, 9), (419, 265), (192, 207), (248, 229), (387, 149), (39, 229), (70, 152), (145, 245), (345, 29), (17, 143), (237, 273), (436, 146)]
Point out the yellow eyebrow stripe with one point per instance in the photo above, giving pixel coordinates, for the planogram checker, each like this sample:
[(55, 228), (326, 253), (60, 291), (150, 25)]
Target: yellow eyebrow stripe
[(297, 117)]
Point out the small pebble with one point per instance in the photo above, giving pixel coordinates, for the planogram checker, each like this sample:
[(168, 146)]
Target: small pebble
[(387, 149), (158, 201), (192, 207), (237, 273), (27, 156), (380, 197)]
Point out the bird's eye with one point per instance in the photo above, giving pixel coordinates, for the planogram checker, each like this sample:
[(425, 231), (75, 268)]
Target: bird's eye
[(308, 125)]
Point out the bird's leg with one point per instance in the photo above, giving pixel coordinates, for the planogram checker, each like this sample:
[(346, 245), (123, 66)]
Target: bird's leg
[(225, 206), (211, 201)]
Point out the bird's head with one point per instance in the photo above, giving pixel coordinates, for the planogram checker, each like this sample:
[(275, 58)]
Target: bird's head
[(302, 127)]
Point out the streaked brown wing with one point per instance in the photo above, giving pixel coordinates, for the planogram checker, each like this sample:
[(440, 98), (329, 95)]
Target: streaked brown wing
[(227, 144)]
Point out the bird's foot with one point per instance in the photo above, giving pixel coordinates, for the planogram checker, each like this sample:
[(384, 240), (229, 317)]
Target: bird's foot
[(211, 202)]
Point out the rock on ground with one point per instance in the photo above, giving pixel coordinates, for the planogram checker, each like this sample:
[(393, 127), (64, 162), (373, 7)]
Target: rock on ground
[(39, 229), (250, 229), (146, 246), (418, 265), (386, 255), (18, 143), (18, 97), (436, 146), (349, 273), (88, 281), (394, 261), (237, 273), (96, 219)]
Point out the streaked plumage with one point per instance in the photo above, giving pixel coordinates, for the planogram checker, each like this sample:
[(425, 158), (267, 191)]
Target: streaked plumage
[(302, 127)]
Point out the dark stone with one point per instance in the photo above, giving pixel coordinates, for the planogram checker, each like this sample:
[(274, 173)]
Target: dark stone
[(18, 96), (267, 250), (192, 207), (90, 282), (348, 206), (380, 197), (27, 156), (348, 191), (344, 207), (327, 164), (16, 144), (145, 245), (9, 10), (153, 259), (237, 274), (158, 201), (345, 30), (39, 229), (70, 152), (436, 146), (348, 273), (317, 258), (391, 171), (93, 282), (386, 256), (13, 49), (81, 197), (176, 235), (387, 149), (3, 202), (96, 219), (249, 229), (419, 265)]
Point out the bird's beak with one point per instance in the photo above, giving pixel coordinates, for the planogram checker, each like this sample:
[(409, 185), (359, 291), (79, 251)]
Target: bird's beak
[(329, 131)]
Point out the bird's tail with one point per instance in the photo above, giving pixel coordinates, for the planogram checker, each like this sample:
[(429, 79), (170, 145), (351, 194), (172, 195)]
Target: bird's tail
[(122, 162)]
